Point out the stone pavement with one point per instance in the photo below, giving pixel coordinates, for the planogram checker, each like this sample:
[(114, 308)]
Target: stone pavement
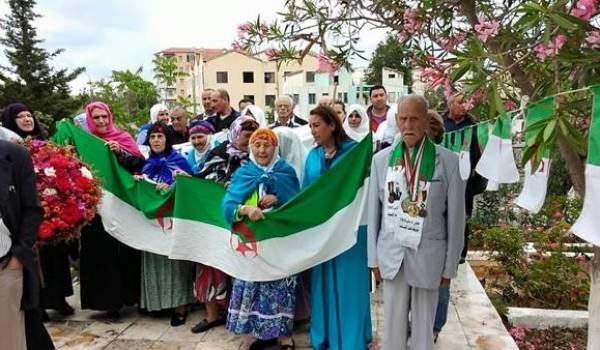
[(472, 324)]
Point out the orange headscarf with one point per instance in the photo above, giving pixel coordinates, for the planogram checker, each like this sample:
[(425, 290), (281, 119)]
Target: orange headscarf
[(265, 134)]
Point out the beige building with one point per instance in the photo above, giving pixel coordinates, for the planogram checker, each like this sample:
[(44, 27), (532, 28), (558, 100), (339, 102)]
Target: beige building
[(242, 75)]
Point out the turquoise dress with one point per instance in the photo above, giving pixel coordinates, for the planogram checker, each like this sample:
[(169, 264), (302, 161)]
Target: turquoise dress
[(339, 291)]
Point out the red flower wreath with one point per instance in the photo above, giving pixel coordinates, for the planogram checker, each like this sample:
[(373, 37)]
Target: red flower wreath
[(68, 191)]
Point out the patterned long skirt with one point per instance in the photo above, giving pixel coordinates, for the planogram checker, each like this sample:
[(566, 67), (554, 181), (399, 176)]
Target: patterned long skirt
[(166, 283), (263, 309)]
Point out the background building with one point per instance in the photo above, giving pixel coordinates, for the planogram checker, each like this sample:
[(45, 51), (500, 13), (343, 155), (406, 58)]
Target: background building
[(257, 78)]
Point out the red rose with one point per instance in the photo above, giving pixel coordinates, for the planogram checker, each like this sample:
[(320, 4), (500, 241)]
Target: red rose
[(59, 162), (70, 215), (46, 231), (63, 184)]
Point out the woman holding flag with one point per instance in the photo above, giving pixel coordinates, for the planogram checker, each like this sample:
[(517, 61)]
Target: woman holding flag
[(109, 270), (166, 283), (263, 309), (340, 305)]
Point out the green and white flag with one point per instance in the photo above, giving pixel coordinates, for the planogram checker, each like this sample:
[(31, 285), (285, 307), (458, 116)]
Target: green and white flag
[(534, 190), (587, 226), (187, 222), (497, 162), (464, 155)]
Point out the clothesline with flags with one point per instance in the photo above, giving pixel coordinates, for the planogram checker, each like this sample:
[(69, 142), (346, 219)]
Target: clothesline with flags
[(498, 165)]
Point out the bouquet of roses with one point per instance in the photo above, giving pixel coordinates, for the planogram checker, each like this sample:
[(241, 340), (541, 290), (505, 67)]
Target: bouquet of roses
[(68, 191)]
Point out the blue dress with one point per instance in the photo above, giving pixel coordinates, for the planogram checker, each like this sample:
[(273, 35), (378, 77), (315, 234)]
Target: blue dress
[(263, 309), (339, 291)]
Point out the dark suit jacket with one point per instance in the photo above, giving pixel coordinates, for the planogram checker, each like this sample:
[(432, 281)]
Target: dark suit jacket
[(22, 214)]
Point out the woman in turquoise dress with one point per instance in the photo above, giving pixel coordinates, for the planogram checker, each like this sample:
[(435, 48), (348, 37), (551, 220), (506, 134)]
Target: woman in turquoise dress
[(339, 288), (263, 309)]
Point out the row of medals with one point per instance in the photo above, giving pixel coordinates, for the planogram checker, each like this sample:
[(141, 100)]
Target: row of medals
[(413, 209)]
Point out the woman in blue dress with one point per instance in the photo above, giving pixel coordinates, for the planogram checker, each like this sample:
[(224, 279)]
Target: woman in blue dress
[(339, 288), (166, 284), (263, 309)]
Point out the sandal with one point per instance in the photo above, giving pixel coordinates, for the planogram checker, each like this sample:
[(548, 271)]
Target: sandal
[(178, 319), (204, 325)]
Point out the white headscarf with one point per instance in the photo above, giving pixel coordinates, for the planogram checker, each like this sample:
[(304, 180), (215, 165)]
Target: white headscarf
[(359, 133), (257, 113), (9, 135), (388, 130), (157, 108), (291, 149)]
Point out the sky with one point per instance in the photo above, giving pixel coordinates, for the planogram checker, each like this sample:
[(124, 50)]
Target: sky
[(116, 35)]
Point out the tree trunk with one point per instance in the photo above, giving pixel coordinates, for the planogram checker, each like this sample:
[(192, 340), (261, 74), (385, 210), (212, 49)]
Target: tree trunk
[(575, 166), (593, 342)]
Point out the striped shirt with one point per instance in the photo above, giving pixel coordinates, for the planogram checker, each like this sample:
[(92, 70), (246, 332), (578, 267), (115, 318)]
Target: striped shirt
[(5, 241)]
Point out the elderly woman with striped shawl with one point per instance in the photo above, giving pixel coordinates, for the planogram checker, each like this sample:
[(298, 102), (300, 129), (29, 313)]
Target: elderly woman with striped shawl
[(263, 309)]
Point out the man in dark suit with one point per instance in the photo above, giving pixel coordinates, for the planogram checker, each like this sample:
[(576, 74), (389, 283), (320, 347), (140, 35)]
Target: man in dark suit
[(20, 216)]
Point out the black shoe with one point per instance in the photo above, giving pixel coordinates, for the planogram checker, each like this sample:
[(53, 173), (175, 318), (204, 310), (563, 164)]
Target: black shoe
[(112, 315), (65, 309), (204, 325), (288, 346), (178, 319), (45, 316), (260, 344), (436, 335)]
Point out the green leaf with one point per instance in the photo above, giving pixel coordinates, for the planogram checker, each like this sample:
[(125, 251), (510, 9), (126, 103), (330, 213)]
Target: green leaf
[(549, 130), (528, 154), (562, 21), (461, 70)]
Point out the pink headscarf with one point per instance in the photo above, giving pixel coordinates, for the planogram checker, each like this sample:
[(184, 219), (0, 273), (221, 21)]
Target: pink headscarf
[(112, 133)]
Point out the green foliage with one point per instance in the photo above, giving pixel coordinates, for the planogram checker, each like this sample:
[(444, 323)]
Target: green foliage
[(548, 279), (165, 70), (129, 96), (29, 78), (389, 53)]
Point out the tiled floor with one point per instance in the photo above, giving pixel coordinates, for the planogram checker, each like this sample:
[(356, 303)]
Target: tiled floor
[(472, 324)]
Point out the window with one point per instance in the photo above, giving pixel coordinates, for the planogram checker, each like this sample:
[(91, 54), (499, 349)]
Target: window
[(345, 97), (310, 77), (312, 99), (181, 81), (296, 98), (170, 92), (249, 97), (325, 94), (189, 58), (222, 78), (182, 92), (248, 77), (340, 96), (270, 100), (269, 78), (392, 76), (336, 79)]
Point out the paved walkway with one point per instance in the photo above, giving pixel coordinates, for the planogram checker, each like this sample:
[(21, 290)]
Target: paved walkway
[(472, 324)]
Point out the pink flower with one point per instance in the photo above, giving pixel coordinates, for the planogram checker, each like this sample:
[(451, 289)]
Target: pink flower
[(593, 38), (271, 54), (518, 332), (244, 29), (264, 29), (412, 23), (326, 64), (542, 51), (584, 9), (454, 41), (236, 46), (486, 30), (510, 105)]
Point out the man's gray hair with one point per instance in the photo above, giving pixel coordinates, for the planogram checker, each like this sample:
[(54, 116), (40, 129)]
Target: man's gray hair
[(417, 98), (180, 109), (287, 98)]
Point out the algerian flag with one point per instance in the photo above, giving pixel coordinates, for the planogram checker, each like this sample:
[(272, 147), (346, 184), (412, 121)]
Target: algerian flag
[(187, 222), (587, 226), (534, 190), (464, 156), (483, 134), (497, 162)]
